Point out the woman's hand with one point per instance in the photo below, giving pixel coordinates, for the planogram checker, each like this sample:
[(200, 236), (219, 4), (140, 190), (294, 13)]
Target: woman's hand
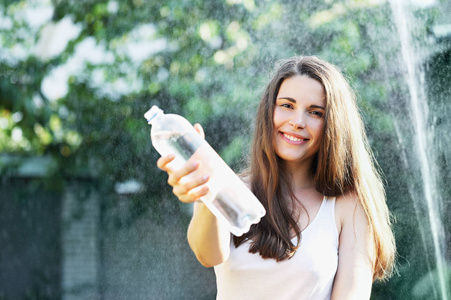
[(186, 188)]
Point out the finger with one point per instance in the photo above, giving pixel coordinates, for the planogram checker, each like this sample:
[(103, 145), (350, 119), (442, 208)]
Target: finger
[(194, 195), (199, 130), (163, 161), (188, 187), (175, 176)]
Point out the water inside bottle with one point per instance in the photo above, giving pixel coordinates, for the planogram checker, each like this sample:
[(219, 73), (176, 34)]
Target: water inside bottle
[(180, 144), (241, 221), (224, 202)]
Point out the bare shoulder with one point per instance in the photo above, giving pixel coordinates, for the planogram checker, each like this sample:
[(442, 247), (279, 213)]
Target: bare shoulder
[(349, 211), (347, 201)]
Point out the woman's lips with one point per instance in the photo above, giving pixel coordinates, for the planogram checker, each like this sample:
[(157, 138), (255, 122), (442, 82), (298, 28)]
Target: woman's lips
[(293, 138)]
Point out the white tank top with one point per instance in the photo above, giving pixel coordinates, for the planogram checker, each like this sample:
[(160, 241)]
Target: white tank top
[(309, 274)]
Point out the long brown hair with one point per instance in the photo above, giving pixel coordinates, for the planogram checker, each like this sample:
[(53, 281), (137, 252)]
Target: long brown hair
[(344, 163)]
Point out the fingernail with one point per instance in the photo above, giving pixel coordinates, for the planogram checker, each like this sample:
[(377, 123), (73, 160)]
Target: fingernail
[(205, 177)]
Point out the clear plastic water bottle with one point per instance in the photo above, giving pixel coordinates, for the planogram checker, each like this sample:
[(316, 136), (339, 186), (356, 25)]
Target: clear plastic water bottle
[(228, 199)]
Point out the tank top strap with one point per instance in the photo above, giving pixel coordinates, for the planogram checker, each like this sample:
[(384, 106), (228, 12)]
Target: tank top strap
[(329, 204), (328, 215)]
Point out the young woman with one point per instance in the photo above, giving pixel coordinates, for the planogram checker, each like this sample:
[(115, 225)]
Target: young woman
[(327, 231)]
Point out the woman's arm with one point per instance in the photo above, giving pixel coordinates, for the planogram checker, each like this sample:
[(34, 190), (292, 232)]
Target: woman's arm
[(208, 238), (354, 276)]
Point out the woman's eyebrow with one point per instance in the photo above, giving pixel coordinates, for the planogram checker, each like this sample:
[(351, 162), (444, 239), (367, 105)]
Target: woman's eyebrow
[(287, 98), (292, 100), (317, 106)]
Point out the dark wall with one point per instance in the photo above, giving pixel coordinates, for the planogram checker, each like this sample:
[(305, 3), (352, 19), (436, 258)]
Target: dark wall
[(30, 248)]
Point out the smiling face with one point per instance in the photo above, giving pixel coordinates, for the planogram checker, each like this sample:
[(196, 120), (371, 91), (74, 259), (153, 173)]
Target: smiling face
[(299, 119)]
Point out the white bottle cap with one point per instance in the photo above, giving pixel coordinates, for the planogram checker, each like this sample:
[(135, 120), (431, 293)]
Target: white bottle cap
[(151, 113)]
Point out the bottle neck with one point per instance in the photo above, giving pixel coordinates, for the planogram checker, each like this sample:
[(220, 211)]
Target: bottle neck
[(155, 117)]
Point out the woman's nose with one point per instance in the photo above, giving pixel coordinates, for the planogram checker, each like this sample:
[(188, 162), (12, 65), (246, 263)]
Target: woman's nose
[(298, 121)]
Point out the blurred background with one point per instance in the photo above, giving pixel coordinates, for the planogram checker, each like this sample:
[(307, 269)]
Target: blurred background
[(84, 211)]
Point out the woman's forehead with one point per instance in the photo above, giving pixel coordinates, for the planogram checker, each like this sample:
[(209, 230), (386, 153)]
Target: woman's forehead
[(302, 88)]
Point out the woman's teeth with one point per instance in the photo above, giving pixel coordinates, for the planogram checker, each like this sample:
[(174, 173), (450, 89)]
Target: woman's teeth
[(292, 138)]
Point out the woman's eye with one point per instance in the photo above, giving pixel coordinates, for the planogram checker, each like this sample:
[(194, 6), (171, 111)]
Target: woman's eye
[(286, 105), (317, 113)]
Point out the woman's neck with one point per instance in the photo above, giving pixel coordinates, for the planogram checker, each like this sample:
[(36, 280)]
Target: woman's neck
[(301, 175)]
